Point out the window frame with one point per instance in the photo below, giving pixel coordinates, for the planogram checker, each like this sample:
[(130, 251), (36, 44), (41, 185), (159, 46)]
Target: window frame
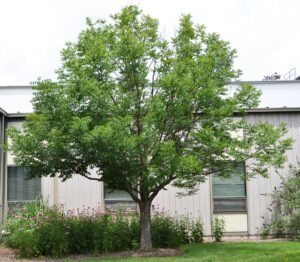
[(24, 201), (244, 198), (129, 202)]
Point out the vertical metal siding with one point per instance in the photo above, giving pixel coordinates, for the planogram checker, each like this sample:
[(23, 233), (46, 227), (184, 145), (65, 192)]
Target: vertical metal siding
[(80, 193), (197, 205), (258, 202), (77, 192)]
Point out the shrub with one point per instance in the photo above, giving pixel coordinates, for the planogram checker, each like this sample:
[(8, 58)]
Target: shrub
[(27, 243), (285, 217), (164, 231), (293, 225), (190, 230), (171, 231), (197, 231), (36, 230), (22, 219), (218, 228), (52, 234)]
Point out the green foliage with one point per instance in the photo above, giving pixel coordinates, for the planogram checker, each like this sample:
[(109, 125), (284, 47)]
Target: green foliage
[(143, 112), (197, 231), (168, 231), (293, 225), (143, 109), (218, 228), (190, 230), (164, 233), (285, 219), (22, 219), (36, 230)]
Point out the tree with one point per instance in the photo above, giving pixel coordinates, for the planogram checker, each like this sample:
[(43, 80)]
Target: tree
[(145, 112)]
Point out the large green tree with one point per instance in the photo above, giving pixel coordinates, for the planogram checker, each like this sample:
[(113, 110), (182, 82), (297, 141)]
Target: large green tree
[(145, 112)]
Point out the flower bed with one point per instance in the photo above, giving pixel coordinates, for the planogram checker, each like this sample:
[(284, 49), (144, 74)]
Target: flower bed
[(36, 230)]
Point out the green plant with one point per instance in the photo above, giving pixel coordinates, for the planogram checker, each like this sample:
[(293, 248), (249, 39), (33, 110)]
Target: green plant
[(36, 230), (189, 229), (218, 228), (285, 207), (265, 232), (52, 235), (27, 243), (164, 231), (197, 231), (293, 225), (22, 218)]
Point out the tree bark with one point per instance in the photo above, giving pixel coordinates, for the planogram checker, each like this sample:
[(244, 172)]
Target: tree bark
[(145, 224)]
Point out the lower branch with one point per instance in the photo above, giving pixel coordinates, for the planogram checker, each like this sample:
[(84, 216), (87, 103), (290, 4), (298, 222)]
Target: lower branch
[(92, 178), (160, 187)]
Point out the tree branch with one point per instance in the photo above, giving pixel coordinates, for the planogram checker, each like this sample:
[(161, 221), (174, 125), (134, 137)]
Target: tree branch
[(112, 98), (161, 186), (129, 191), (152, 80), (92, 178)]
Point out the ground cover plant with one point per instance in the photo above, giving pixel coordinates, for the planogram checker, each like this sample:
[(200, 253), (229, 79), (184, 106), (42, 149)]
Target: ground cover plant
[(37, 230)]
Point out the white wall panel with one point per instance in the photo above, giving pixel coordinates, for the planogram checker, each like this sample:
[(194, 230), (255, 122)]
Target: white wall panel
[(48, 192), (259, 188), (276, 93), (197, 205), (234, 223), (9, 157), (79, 192), (14, 99)]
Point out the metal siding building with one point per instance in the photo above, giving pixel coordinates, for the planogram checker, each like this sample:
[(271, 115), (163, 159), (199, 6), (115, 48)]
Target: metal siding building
[(279, 103)]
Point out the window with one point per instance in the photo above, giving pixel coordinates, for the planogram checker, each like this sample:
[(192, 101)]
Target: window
[(19, 188), (229, 194), (118, 200)]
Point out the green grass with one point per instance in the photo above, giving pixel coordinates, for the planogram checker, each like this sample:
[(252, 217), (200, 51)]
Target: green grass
[(266, 251)]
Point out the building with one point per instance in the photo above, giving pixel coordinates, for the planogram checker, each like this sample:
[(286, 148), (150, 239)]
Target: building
[(243, 205)]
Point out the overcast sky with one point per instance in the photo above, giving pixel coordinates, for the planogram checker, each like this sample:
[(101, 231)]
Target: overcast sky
[(32, 32)]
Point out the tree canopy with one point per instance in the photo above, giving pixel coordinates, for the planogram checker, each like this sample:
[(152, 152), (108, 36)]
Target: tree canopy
[(145, 112)]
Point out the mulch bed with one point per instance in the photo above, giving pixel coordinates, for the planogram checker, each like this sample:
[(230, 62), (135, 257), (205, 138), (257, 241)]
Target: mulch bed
[(159, 252), (9, 255)]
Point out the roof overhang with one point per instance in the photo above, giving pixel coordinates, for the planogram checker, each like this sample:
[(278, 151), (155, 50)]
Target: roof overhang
[(275, 110)]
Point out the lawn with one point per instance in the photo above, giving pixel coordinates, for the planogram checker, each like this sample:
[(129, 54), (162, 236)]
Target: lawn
[(254, 251)]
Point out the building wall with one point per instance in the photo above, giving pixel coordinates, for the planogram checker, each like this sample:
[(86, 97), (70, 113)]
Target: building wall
[(80, 192), (258, 202), (197, 205), (77, 192), (275, 93), (14, 99), (257, 187)]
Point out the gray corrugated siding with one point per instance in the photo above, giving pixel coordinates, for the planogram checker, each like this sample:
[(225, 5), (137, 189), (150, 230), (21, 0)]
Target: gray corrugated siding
[(258, 203), (197, 205)]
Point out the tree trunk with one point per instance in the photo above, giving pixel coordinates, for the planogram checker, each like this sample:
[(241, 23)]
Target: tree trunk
[(145, 224)]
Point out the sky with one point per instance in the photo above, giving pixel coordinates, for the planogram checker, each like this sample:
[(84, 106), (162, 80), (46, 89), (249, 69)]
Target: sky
[(265, 33)]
